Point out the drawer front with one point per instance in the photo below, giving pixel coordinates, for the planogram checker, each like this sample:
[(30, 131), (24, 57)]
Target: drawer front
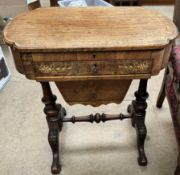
[(85, 68), (123, 55), (91, 56)]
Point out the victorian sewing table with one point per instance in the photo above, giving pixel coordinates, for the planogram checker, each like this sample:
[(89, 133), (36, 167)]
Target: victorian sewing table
[(92, 54)]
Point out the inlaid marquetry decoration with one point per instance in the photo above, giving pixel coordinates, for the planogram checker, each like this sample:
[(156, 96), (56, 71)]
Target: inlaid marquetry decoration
[(54, 68), (135, 66), (112, 67)]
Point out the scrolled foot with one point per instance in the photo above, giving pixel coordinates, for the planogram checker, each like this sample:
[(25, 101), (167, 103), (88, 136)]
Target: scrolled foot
[(142, 160), (53, 139), (141, 135), (55, 168)]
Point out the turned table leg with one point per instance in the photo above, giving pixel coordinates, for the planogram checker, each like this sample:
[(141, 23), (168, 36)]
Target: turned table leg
[(138, 111), (54, 112)]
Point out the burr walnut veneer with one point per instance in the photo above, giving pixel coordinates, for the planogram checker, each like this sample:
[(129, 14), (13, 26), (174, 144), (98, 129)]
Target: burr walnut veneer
[(92, 54)]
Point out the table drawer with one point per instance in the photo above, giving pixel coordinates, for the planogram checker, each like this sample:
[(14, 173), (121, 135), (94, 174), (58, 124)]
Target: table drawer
[(83, 68), (91, 56), (106, 56)]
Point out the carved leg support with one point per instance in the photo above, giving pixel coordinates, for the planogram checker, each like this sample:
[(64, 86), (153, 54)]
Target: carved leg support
[(138, 112), (53, 113)]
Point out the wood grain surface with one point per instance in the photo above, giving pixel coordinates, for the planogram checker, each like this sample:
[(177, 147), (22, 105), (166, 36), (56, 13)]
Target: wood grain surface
[(87, 29), (94, 92)]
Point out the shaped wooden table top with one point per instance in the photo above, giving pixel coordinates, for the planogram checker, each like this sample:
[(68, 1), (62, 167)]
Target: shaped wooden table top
[(97, 28), (91, 53)]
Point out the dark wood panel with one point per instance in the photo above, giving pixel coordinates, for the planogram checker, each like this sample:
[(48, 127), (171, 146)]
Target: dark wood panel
[(94, 92)]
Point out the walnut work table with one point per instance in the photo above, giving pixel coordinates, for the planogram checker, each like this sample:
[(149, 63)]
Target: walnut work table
[(92, 54)]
